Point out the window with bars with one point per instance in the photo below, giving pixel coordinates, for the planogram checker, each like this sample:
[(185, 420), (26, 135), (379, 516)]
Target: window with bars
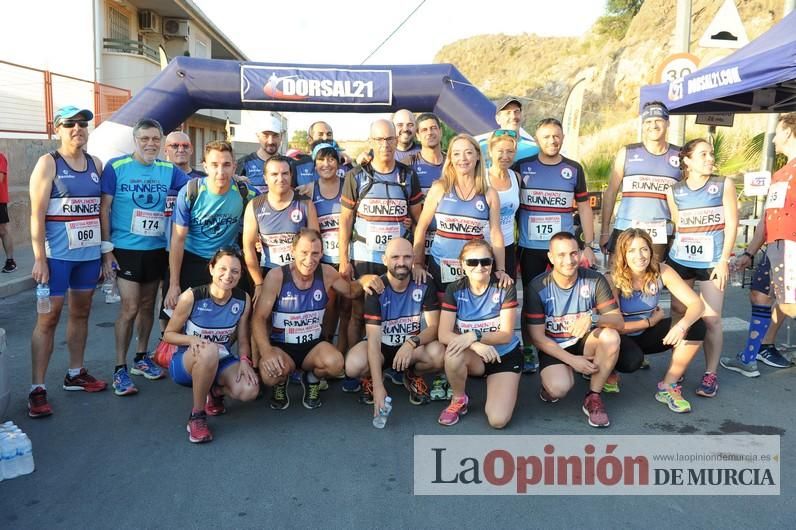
[(118, 24)]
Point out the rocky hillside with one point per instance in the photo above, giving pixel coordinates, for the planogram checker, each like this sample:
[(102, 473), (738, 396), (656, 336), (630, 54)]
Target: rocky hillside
[(541, 69)]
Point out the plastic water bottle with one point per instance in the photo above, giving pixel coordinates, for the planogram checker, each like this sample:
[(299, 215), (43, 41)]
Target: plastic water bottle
[(111, 289), (43, 304), (381, 420), (8, 453), (25, 455), (736, 273)]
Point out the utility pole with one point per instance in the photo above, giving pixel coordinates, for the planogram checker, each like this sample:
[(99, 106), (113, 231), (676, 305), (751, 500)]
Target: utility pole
[(682, 44)]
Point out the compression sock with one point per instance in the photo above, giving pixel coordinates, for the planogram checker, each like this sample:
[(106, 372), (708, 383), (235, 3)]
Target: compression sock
[(758, 325)]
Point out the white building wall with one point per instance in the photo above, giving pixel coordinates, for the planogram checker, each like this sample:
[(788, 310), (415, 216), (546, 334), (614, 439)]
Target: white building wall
[(34, 35)]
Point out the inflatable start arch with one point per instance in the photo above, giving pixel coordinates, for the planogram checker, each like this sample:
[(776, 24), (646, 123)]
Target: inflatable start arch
[(188, 84)]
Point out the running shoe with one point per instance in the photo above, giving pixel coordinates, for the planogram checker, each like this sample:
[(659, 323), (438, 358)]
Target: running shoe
[(37, 403), (645, 364), (312, 392), (594, 409), (295, 377), (351, 385), (198, 431), (709, 385), (324, 385), (439, 388), (673, 397), (147, 367), (770, 355), (611, 385), (530, 362), (366, 395), (416, 385), (214, 406), (10, 266), (280, 399), (544, 396), (736, 364), (397, 378), (122, 384), (458, 407), (84, 381)]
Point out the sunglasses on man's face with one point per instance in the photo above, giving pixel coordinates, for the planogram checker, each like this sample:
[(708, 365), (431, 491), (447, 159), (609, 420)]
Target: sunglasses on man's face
[(505, 132), (176, 146), (71, 123), (474, 262)]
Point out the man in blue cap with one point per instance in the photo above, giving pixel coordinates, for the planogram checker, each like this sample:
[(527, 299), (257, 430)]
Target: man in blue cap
[(65, 234)]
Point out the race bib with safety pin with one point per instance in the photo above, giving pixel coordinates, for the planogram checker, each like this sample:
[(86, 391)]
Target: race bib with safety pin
[(451, 270), (379, 235), (543, 227), (698, 248), (776, 195), (82, 234), (281, 253), (656, 230), (331, 244), (148, 224)]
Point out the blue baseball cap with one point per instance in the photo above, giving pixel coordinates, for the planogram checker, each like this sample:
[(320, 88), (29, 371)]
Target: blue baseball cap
[(70, 111)]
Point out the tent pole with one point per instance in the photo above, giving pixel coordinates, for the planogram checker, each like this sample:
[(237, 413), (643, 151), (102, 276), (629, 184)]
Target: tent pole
[(682, 44)]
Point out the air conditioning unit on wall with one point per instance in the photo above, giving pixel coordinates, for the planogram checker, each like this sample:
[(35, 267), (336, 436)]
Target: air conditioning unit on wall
[(148, 21), (175, 27)]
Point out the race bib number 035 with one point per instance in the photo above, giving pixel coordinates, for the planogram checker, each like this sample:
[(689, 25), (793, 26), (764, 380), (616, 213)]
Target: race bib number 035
[(379, 236)]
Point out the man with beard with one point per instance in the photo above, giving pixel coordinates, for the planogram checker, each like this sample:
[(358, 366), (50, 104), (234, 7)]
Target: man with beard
[(574, 321), (551, 187), (405, 126), (394, 339), (252, 165), (288, 321)]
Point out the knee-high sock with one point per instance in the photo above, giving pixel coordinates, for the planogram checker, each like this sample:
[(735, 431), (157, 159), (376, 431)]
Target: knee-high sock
[(758, 325)]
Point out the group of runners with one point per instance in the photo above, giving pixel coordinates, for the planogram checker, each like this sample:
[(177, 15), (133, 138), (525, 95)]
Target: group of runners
[(408, 255)]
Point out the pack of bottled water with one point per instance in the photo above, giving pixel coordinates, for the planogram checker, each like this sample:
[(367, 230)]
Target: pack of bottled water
[(16, 452)]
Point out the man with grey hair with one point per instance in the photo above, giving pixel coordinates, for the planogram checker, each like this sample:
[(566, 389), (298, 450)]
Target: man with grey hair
[(380, 201), (133, 222)]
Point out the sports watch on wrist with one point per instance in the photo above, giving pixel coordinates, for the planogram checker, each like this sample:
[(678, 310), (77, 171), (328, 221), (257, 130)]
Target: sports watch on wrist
[(414, 339), (478, 334), (595, 317)]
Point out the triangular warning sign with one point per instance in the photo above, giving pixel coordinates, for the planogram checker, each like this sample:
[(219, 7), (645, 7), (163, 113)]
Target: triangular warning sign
[(726, 30)]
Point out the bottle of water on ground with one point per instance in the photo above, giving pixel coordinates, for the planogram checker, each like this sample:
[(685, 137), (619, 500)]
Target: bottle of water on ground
[(110, 288), (16, 452), (43, 305), (381, 420)]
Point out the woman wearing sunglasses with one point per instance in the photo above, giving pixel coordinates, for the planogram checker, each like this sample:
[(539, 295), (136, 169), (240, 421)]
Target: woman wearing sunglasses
[(206, 322), (502, 146), (464, 209), (477, 325)]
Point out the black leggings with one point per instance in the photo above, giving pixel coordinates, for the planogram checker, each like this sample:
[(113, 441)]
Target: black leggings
[(633, 348)]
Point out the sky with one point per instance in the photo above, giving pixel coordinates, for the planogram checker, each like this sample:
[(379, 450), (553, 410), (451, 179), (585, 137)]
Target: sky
[(347, 31)]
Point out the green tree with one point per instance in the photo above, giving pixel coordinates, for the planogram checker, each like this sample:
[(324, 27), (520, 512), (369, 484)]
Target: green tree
[(617, 18), (300, 141)]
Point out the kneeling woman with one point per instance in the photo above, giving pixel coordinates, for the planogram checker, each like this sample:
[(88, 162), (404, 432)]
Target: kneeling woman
[(206, 322), (477, 325), (636, 280)]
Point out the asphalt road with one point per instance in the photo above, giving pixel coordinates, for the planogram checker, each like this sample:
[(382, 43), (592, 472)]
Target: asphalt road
[(106, 461)]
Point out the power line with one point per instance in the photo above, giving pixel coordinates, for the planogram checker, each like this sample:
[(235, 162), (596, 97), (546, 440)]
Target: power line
[(393, 32)]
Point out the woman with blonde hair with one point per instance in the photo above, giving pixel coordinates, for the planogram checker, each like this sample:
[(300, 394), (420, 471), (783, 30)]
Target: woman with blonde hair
[(636, 280), (464, 209), (502, 146)]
